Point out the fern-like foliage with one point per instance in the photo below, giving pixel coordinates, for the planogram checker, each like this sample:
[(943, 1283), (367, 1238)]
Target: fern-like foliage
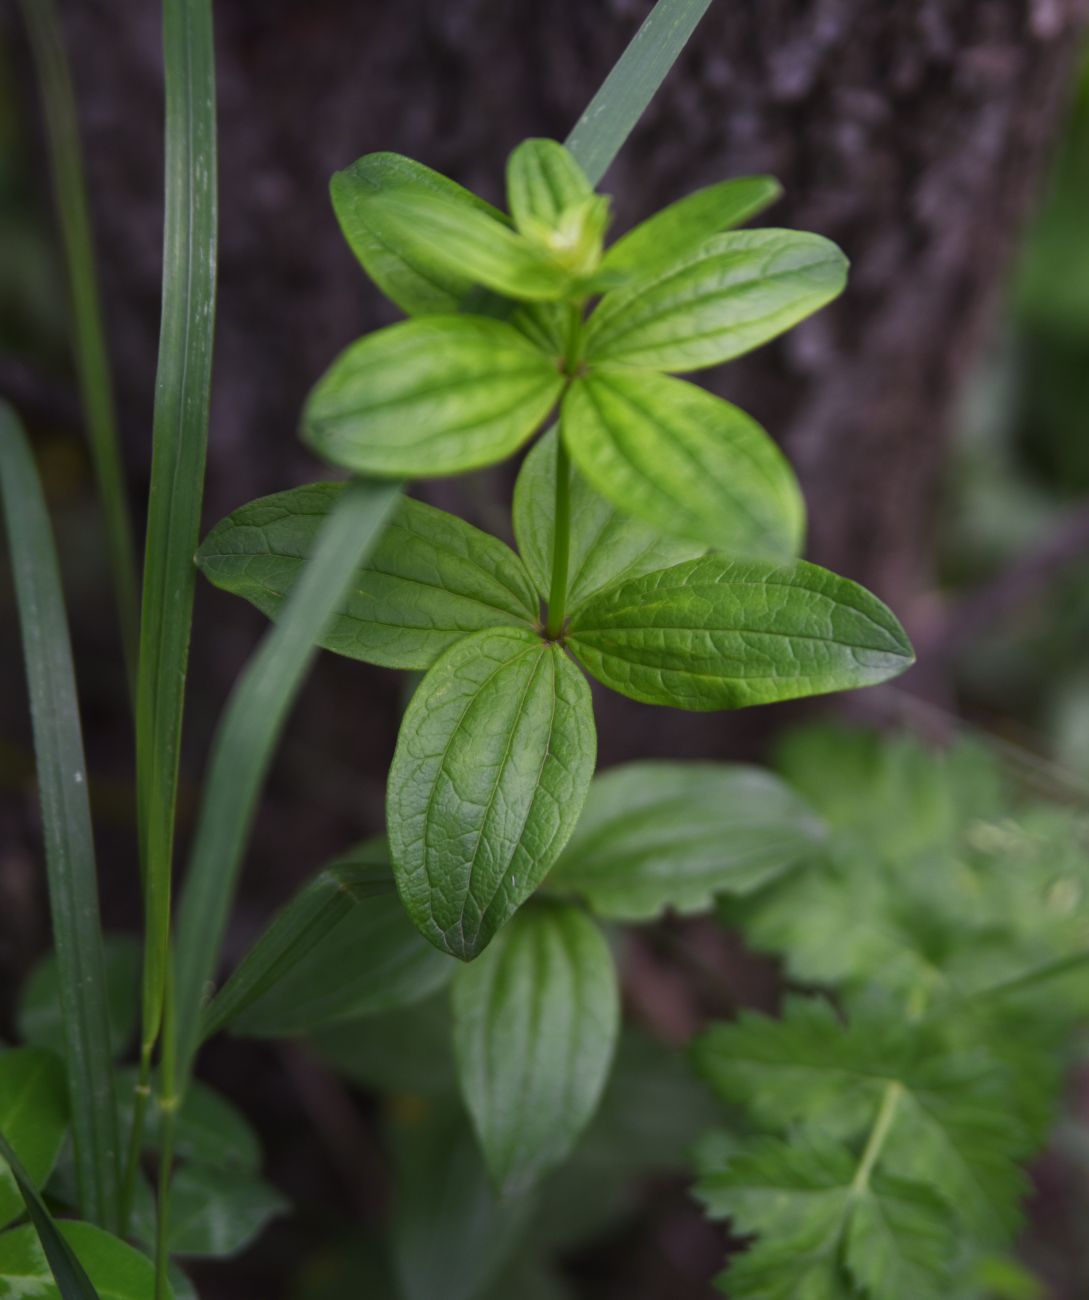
[(888, 1114)]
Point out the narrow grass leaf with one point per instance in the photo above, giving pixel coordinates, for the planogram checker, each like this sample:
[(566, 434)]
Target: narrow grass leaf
[(66, 823)]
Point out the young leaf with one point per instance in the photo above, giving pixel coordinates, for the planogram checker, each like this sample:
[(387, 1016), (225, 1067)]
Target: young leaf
[(109, 1268), (432, 396), (38, 1015), (607, 544), (677, 231), (432, 230), (673, 835), (33, 1119), (723, 634), (737, 291), (535, 1025), (403, 270), (683, 461), (430, 580), (543, 181), (493, 762), (214, 1212)]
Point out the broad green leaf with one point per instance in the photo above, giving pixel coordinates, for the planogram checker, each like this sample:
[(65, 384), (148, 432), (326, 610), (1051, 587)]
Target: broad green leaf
[(900, 1241), (403, 270), (535, 1025), (678, 230), (683, 461), (300, 928), (547, 324), (33, 1119), (38, 1015), (214, 1212), (493, 762), (543, 181), (210, 1130), (404, 1051), (431, 230), (116, 1270), (737, 291), (432, 396), (716, 633), (657, 835), (430, 580), (451, 1234), (606, 544)]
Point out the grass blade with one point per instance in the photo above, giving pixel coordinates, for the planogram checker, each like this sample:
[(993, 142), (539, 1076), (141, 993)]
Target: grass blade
[(88, 330), (66, 816), (72, 1282), (600, 132)]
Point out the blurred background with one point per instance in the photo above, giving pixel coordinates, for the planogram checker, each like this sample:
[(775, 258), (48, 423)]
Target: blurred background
[(938, 417)]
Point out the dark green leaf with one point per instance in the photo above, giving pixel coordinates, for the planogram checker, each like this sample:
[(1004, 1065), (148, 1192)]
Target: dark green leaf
[(737, 291), (606, 544), (543, 181), (210, 1131), (109, 1269), (39, 1012), (214, 1212), (432, 396), (684, 462), (400, 268), (430, 580), (722, 634), (673, 835), (494, 758), (33, 1119), (408, 1050), (677, 231), (535, 1025)]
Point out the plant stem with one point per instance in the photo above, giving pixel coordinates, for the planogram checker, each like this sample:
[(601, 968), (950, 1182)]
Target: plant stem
[(168, 1109), (886, 1113), (140, 1098), (1038, 975), (561, 544)]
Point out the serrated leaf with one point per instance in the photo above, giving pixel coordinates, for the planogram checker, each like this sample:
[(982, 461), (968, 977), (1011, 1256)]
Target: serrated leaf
[(606, 544), (543, 180), (431, 579), (214, 1212), (33, 1118), (658, 835), (683, 461), (430, 229), (492, 766), (116, 1270), (535, 1025), (716, 633), (900, 1241), (403, 271), (432, 396), (736, 292), (678, 230)]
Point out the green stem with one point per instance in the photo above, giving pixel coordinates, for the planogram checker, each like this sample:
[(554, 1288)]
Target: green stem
[(1038, 975), (886, 1114), (140, 1098), (168, 1110), (561, 544)]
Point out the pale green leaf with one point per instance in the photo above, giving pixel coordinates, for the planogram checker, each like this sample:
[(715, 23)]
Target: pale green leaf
[(214, 1212), (432, 396), (543, 180), (33, 1118), (683, 461), (430, 580), (737, 291), (716, 633), (117, 1270), (401, 268), (678, 230), (492, 766), (606, 544), (38, 1015), (535, 1025), (658, 835)]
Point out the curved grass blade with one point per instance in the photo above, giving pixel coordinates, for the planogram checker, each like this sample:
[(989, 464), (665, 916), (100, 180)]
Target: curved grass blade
[(66, 818), (88, 330), (68, 1273)]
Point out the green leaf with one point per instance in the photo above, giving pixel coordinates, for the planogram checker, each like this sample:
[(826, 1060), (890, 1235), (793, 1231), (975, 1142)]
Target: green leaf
[(432, 230), (900, 1241), (535, 1025), (403, 270), (493, 762), (715, 633), (451, 1235), (214, 1212), (607, 544), (66, 822), (114, 1269), (430, 580), (404, 1051), (428, 397), (210, 1131), (677, 231), (657, 835), (38, 1015), (33, 1118), (684, 462), (543, 181), (736, 292)]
